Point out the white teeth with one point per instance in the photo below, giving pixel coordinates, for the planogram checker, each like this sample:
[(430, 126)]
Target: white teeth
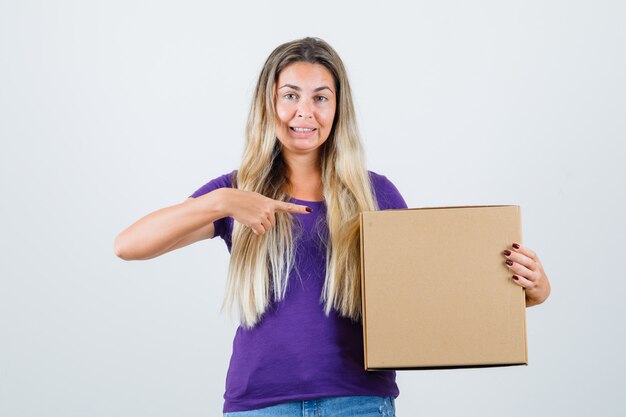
[(302, 129)]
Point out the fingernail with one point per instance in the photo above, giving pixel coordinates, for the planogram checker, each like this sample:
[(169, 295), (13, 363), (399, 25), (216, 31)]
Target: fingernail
[(506, 252), (515, 245), (515, 277), (509, 262), (309, 210)]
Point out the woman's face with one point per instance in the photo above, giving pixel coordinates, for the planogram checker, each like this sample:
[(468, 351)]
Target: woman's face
[(305, 107)]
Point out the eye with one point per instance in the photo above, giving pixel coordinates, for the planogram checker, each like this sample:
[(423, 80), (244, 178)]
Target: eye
[(290, 96), (322, 98)]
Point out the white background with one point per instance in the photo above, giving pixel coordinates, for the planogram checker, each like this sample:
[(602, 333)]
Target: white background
[(112, 109)]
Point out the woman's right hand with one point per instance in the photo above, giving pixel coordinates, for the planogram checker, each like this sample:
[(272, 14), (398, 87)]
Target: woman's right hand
[(255, 210)]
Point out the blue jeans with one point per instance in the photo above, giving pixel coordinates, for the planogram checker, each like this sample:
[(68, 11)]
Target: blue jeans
[(349, 406)]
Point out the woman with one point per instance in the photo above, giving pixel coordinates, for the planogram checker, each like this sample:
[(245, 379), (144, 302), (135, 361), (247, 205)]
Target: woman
[(289, 217)]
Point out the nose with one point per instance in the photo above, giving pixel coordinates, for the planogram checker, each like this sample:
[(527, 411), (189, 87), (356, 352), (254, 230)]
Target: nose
[(304, 109)]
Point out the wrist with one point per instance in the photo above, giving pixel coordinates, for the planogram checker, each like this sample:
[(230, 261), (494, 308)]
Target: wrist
[(214, 204), (536, 296), (219, 201)]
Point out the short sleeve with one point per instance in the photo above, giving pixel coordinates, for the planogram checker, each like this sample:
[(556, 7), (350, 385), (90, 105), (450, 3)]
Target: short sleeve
[(387, 194), (223, 226)]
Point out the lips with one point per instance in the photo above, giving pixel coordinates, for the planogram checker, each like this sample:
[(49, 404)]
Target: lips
[(302, 132)]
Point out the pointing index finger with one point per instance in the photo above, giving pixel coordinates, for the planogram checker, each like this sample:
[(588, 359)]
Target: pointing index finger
[(292, 208)]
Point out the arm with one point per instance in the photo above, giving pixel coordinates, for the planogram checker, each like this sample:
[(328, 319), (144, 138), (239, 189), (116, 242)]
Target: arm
[(171, 227), (183, 224)]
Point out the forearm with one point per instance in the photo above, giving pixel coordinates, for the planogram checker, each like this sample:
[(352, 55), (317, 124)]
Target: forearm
[(163, 228)]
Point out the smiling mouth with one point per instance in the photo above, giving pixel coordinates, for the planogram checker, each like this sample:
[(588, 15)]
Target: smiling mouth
[(302, 129)]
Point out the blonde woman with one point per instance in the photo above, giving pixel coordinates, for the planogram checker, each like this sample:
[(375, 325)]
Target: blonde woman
[(289, 217)]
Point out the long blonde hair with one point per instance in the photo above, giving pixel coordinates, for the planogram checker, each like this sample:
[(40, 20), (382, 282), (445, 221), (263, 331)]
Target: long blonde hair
[(260, 264)]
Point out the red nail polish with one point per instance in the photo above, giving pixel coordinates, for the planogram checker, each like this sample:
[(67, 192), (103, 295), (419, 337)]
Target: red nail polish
[(515, 277), (309, 209), (515, 245), (509, 262), (506, 252)]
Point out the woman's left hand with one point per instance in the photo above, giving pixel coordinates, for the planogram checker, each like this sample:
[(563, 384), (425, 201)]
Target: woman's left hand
[(528, 273)]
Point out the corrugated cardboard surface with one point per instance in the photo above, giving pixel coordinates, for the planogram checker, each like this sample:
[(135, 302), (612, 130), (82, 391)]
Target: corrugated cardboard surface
[(436, 292)]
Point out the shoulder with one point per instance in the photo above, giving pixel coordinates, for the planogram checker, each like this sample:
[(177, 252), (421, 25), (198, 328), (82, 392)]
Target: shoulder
[(381, 182), (376, 178), (223, 181), (227, 179), (387, 193)]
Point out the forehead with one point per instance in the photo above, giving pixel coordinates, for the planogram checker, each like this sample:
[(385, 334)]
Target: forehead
[(305, 75)]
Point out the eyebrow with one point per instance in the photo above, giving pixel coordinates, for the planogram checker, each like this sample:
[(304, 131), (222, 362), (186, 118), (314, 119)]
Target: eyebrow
[(295, 87)]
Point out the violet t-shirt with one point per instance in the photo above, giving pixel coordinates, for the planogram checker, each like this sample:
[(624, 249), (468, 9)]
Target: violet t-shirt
[(295, 352)]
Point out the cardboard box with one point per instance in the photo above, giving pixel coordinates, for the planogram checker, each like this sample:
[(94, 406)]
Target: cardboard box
[(435, 290)]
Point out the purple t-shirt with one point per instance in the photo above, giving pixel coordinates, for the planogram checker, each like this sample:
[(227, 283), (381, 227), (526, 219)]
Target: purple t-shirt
[(295, 352)]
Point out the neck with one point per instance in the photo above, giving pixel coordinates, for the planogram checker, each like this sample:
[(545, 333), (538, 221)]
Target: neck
[(304, 176), (302, 166)]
